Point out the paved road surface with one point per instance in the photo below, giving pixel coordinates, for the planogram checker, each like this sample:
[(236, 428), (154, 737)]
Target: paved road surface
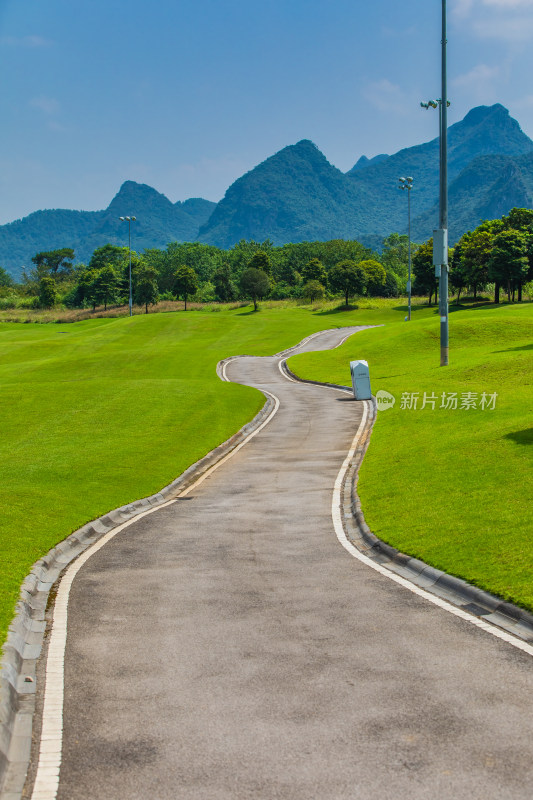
[(227, 647)]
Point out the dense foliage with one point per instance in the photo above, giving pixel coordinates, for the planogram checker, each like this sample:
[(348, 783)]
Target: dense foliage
[(495, 256)]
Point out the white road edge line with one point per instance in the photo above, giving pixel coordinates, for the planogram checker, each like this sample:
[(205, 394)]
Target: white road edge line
[(281, 362), (47, 776), (336, 513)]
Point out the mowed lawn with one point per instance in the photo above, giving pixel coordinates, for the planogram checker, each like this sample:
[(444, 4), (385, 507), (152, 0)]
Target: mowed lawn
[(450, 486), (99, 413)]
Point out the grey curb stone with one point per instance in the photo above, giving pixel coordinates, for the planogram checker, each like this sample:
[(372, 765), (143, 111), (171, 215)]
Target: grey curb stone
[(26, 632), (469, 598)]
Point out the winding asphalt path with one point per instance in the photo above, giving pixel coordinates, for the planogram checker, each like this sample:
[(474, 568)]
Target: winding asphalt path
[(227, 647)]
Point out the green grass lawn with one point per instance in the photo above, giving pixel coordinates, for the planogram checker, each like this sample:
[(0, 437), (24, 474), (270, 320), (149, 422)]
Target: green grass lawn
[(98, 413), (452, 487)]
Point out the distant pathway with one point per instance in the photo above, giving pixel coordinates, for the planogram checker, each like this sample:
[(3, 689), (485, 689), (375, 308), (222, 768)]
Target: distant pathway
[(227, 647)]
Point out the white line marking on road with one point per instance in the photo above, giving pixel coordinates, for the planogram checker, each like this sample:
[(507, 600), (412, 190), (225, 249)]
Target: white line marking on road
[(47, 777), (280, 367), (336, 514)]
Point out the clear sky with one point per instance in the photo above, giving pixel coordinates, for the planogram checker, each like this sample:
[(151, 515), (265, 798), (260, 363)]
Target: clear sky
[(186, 95)]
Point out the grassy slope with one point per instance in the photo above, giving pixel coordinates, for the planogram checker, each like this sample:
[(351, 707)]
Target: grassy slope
[(451, 487), (102, 412)]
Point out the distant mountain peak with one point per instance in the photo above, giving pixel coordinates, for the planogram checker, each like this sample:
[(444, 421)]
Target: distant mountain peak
[(365, 162), (482, 113), (133, 193)]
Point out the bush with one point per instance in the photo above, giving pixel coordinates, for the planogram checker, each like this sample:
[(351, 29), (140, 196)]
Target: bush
[(29, 302), (205, 293), (313, 290), (281, 291), (47, 292), (10, 301)]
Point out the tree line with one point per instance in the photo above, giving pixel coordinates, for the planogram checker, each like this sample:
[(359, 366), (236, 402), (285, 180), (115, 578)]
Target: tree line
[(204, 273), (497, 254)]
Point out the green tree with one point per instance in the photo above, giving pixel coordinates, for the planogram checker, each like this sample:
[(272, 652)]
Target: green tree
[(185, 283), (109, 255), (347, 277), (261, 262), (6, 280), (425, 281), (255, 284), (521, 219), (375, 276), (84, 289), (47, 292), (313, 290), (57, 263), (224, 289), (146, 291), (314, 270), (105, 286), (395, 256), (458, 277), (476, 249), (509, 264), (392, 286)]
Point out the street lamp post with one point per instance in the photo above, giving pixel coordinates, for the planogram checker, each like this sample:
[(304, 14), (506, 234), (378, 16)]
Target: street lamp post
[(440, 236), (129, 220), (407, 183)]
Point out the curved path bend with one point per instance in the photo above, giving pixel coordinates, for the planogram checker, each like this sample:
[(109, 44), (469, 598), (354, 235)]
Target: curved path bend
[(227, 647)]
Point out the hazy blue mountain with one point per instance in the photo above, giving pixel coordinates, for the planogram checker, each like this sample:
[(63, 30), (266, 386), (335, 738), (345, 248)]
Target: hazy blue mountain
[(293, 196), (199, 209), (158, 222), (484, 131), (486, 189), (297, 194), (364, 162), (43, 230)]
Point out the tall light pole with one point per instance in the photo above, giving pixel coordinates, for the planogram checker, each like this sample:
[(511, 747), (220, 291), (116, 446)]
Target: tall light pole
[(129, 220), (440, 236), (407, 183)]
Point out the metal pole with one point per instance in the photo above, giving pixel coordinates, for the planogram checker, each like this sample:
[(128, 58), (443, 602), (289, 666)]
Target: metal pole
[(129, 246), (443, 204), (409, 237)]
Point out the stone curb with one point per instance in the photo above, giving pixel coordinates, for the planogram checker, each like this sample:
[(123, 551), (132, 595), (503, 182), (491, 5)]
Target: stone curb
[(478, 602), (25, 637)]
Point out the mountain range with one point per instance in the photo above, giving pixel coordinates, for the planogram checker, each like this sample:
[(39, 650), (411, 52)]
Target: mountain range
[(297, 195)]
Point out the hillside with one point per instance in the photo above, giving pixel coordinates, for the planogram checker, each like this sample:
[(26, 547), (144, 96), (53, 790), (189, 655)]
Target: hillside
[(486, 189), (296, 194), (158, 222)]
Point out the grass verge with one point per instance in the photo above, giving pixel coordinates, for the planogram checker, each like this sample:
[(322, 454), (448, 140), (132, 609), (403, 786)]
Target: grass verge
[(450, 486)]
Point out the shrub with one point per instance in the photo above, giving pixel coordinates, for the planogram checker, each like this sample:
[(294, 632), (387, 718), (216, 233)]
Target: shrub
[(313, 290), (10, 301)]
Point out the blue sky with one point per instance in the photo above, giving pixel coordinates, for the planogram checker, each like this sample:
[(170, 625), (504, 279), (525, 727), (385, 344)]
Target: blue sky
[(186, 95)]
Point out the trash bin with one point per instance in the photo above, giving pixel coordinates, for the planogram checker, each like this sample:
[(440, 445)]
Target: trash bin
[(360, 380)]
